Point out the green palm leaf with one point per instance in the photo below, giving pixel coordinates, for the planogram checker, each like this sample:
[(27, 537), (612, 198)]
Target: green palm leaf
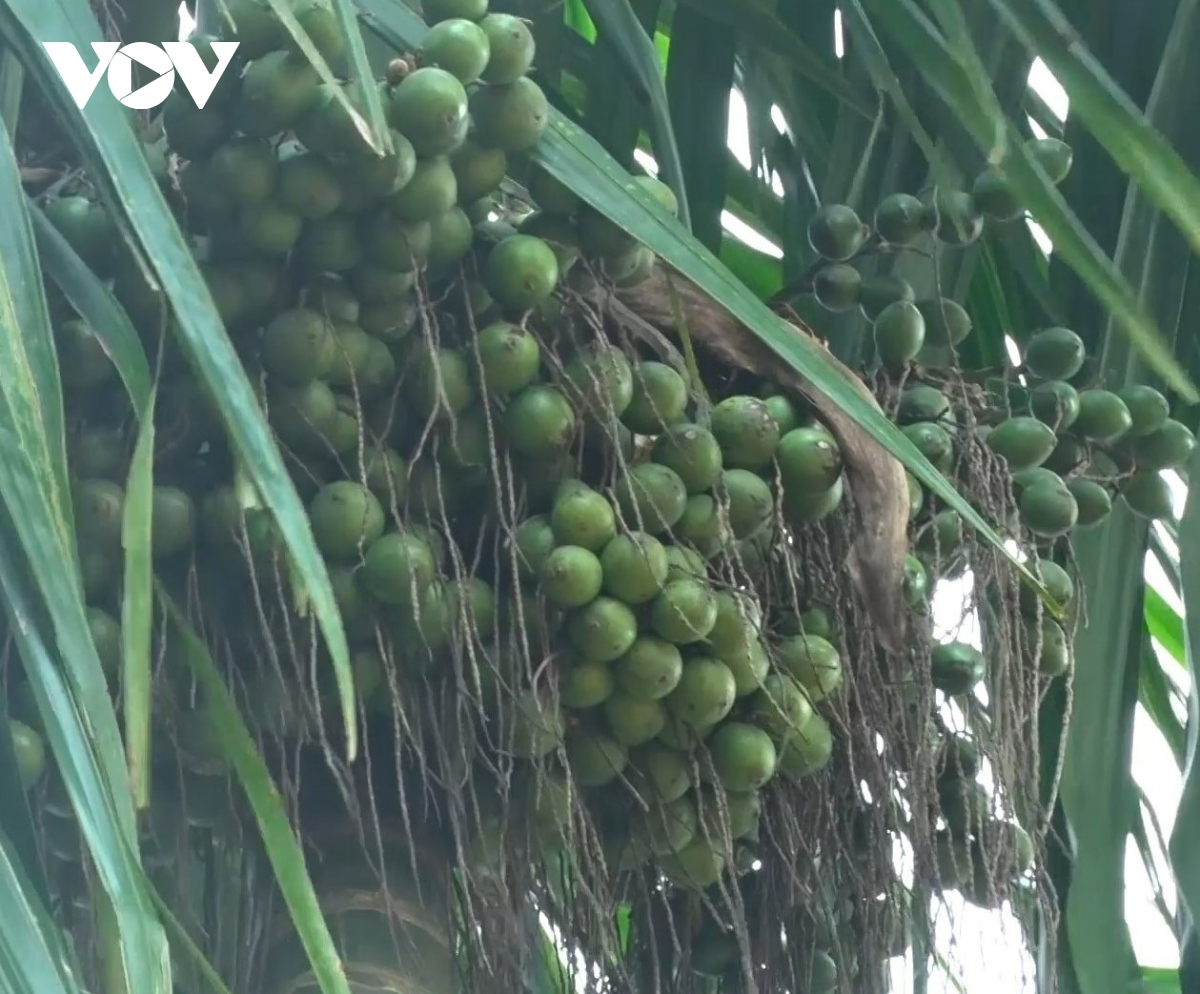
[(119, 167)]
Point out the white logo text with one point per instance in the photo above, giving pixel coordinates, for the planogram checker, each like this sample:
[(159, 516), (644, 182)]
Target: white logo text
[(116, 60)]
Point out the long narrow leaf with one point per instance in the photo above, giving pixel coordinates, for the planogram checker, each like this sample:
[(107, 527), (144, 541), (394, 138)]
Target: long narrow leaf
[(280, 841), (1133, 142), (1152, 847), (1185, 855), (758, 21), (373, 128), (700, 74), (70, 731), (137, 604), (16, 818), (119, 166), (1154, 694), (96, 305), (32, 960), (39, 574), (1096, 789), (1165, 625), (619, 26), (873, 57)]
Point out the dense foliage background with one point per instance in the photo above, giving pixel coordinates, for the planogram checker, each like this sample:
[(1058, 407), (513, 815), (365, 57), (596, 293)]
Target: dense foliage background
[(843, 103)]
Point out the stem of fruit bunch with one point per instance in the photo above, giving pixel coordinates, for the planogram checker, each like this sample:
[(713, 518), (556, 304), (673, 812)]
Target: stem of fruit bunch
[(703, 401), (55, 188)]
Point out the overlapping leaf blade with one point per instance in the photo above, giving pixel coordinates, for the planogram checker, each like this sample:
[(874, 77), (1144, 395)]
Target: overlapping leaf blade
[(1073, 243), (373, 127), (1130, 138), (119, 167), (32, 960), (279, 839), (619, 27), (137, 603), (1185, 855), (96, 305), (43, 599)]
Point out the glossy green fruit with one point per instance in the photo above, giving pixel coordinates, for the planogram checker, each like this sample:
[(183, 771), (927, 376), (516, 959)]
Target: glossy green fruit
[(809, 460), (539, 421), (781, 708), (994, 197), (1167, 447), (1103, 416), (1047, 640), (808, 749), (957, 667), (813, 662), (603, 630), (635, 567), (705, 693), (1053, 155), (634, 722), (430, 109), (899, 331), (1022, 442), (172, 522), (1047, 510), (1148, 495), (900, 218), (942, 536), (511, 47), (876, 292), (584, 517), (570, 576), (510, 357), (743, 756), (346, 518), (934, 442), (1055, 354), (30, 751), (1057, 582), (650, 670), (1148, 409), (1055, 403), (922, 403), (521, 272), (745, 431), (660, 398), (1093, 500), (916, 582), (958, 223), (837, 287), (836, 233), (510, 117), (684, 612), (459, 46), (651, 498), (947, 324), (692, 453)]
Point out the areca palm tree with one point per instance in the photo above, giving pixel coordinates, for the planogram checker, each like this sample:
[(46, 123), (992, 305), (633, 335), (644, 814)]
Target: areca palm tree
[(233, 763)]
